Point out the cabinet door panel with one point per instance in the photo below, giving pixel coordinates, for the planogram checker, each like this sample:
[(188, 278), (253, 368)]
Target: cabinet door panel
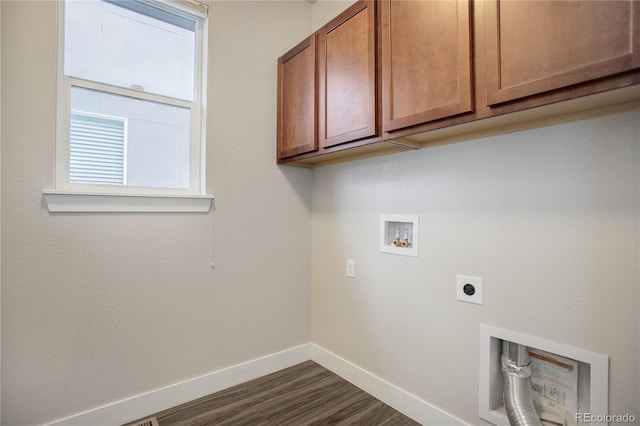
[(537, 46), (347, 76), (426, 61), (297, 100)]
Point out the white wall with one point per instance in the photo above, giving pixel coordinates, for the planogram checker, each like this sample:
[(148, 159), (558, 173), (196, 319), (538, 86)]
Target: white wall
[(100, 307), (548, 217), (326, 10)]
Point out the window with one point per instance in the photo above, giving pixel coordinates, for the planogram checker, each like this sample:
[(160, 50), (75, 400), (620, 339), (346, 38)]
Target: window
[(131, 90)]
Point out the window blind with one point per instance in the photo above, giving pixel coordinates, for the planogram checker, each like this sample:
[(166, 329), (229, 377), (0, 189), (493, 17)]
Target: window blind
[(97, 149)]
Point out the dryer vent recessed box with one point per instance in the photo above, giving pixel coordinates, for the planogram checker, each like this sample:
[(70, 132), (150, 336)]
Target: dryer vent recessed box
[(579, 379)]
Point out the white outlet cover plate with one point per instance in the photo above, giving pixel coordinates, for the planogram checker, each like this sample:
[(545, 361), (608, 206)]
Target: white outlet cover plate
[(476, 297), (350, 268)]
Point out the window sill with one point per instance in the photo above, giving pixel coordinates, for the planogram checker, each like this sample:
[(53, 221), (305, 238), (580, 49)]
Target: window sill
[(82, 202)]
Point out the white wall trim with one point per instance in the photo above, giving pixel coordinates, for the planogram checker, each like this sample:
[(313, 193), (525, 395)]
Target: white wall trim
[(408, 404), (139, 406)]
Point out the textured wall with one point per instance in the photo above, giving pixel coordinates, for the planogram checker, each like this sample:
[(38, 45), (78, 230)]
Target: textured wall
[(100, 307), (549, 218)]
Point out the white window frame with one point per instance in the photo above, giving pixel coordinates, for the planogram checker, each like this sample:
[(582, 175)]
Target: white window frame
[(76, 197)]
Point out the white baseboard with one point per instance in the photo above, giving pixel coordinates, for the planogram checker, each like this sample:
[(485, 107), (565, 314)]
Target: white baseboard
[(408, 404), (139, 406)]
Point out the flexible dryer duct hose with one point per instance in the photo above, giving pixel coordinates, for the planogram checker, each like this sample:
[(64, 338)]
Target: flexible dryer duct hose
[(518, 396)]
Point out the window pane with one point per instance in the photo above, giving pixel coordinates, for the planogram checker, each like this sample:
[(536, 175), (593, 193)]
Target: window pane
[(130, 44), (157, 136)]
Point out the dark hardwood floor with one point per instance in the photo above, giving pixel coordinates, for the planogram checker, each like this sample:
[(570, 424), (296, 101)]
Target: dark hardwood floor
[(303, 395)]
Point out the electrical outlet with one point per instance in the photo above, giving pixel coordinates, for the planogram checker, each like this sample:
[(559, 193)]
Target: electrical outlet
[(351, 268), (469, 289)]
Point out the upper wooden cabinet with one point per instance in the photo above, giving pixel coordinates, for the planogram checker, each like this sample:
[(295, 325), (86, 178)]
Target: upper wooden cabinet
[(328, 87), (347, 76), (297, 100), (533, 47), (392, 75), (426, 61)]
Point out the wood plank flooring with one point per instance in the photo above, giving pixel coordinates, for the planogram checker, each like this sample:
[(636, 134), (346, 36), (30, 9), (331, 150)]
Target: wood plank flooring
[(303, 395)]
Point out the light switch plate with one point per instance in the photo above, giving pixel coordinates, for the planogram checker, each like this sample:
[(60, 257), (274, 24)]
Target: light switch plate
[(469, 289), (351, 268)]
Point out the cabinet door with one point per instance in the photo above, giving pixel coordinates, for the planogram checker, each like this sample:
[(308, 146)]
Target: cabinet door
[(347, 76), (426, 61), (297, 100), (538, 46)]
